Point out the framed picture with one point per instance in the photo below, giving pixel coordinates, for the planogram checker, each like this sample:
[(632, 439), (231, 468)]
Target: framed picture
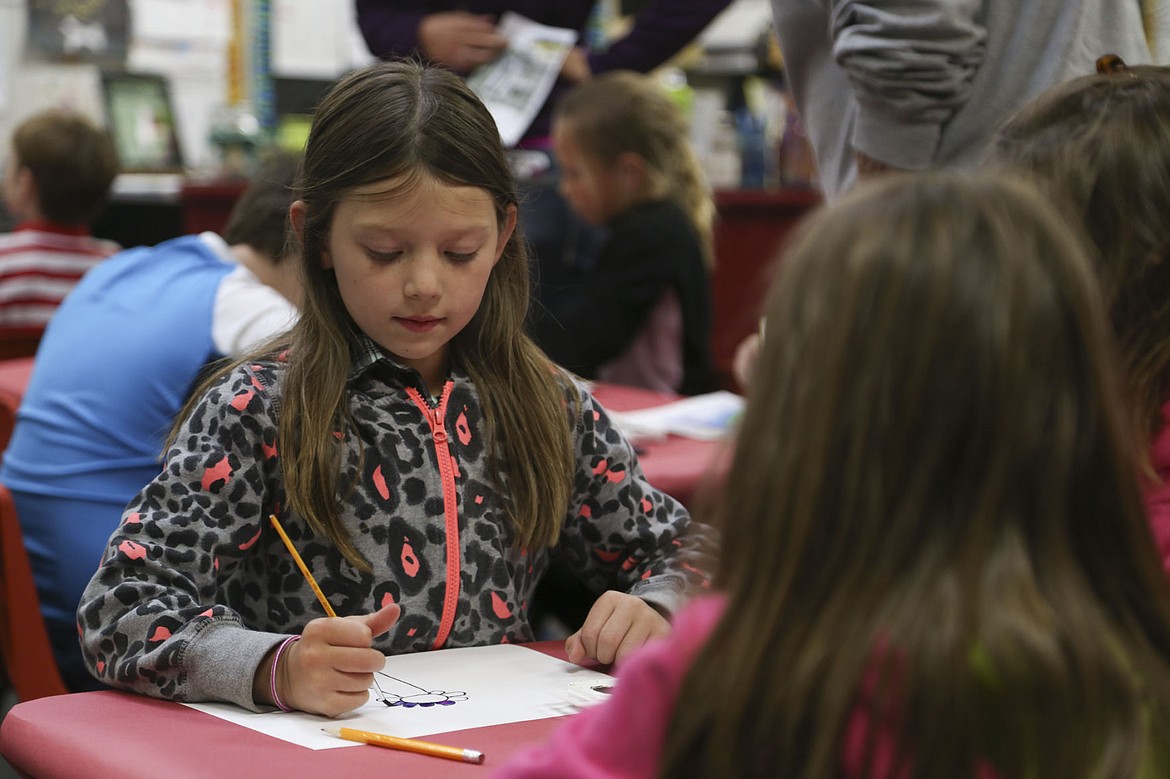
[(141, 119)]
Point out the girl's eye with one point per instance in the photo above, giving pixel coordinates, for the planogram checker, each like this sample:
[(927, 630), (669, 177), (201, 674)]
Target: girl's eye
[(377, 256), (462, 256)]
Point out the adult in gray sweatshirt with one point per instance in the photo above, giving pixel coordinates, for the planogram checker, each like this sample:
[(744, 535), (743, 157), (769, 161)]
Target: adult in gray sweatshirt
[(914, 84)]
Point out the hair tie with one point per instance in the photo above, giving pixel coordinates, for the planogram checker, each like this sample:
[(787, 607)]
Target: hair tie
[(1110, 64), (275, 663)]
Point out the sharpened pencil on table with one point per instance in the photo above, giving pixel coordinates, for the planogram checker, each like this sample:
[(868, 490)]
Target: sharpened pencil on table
[(408, 745)]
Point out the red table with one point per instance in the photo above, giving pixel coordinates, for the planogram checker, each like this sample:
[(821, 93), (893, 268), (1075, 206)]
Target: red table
[(108, 734)]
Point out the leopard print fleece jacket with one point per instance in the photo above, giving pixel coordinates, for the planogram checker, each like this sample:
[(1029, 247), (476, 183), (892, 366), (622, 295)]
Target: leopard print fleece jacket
[(196, 586)]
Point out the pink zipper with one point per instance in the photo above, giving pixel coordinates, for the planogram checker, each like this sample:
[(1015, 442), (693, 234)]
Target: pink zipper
[(436, 419)]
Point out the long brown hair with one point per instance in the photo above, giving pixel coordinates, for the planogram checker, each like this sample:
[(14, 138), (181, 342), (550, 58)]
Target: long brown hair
[(1100, 147), (623, 111), (933, 510), (398, 120)]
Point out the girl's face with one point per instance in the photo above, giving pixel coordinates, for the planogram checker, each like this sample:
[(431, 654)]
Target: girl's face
[(412, 265), (592, 188)]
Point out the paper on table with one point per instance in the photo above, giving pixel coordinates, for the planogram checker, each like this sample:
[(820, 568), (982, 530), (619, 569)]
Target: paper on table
[(707, 417), (515, 84), (484, 686)]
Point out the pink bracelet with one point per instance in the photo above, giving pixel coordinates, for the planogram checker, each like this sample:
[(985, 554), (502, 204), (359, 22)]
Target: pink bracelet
[(275, 663)]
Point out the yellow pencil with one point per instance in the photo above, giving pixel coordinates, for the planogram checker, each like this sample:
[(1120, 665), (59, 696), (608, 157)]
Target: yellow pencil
[(301, 564), (407, 744)]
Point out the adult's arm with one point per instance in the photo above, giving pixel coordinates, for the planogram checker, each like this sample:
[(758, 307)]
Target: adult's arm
[(911, 64), (660, 30), (390, 29)]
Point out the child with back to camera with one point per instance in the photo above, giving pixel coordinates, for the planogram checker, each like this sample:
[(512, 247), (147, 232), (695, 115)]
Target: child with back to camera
[(1100, 147), (421, 453), (642, 316), (58, 176), (113, 369), (935, 562)]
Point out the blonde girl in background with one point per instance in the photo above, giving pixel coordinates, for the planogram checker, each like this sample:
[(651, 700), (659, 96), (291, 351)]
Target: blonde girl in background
[(424, 457), (935, 560), (642, 315)]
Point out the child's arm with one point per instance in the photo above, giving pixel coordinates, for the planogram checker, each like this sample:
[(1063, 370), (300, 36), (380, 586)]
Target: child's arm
[(623, 534), (153, 618)]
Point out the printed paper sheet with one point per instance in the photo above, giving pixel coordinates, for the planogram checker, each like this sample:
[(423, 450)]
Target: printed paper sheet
[(515, 85)]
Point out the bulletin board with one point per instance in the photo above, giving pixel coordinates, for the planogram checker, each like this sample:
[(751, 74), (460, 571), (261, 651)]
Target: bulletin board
[(141, 120)]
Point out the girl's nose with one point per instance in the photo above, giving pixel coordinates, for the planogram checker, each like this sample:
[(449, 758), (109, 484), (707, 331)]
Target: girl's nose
[(422, 279)]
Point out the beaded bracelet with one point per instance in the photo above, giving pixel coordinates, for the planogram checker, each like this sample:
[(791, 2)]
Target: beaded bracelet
[(275, 663)]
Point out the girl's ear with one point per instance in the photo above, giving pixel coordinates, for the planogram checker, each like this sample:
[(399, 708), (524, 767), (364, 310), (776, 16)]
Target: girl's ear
[(505, 233), (21, 196), (631, 170), (296, 215)]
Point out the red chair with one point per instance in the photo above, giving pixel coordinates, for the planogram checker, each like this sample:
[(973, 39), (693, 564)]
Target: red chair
[(24, 642), (14, 376), (19, 341)]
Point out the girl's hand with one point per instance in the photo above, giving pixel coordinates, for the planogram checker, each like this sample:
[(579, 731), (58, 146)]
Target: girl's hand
[(617, 625), (330, 670)]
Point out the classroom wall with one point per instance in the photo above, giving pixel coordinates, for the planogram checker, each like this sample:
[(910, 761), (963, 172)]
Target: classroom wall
[(187, 41)]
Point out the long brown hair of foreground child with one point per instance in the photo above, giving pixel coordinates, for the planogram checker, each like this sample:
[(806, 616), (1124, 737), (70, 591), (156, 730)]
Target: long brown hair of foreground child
[(933, 513), (935, 562)]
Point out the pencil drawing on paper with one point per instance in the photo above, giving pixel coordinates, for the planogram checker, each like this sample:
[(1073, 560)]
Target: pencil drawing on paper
[(410, 696)]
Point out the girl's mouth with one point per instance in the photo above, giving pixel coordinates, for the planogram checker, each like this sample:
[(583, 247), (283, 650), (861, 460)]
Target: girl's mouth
[(419, 324)]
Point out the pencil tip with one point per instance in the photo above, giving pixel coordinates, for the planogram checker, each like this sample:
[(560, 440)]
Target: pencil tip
[(332, 731)]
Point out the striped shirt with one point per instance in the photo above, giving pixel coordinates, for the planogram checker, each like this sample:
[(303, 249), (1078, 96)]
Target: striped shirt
[(39, 265)]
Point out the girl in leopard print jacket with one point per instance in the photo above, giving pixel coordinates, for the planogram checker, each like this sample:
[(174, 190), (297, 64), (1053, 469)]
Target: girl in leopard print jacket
[(424, 457)]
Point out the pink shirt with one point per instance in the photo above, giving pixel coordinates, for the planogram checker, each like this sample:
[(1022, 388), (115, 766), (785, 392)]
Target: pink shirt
[(623, 737)]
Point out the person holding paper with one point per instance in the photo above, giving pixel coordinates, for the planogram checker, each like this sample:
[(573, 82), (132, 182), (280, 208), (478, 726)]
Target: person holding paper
[(461, 35), (421, 455)]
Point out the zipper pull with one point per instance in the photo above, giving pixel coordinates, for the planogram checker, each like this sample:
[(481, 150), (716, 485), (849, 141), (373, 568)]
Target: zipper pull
[(440, 429)]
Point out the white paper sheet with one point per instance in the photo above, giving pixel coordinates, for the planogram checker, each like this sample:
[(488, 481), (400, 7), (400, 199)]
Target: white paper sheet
[(708, 417), (187, 22), (515, 85), (451, 689)]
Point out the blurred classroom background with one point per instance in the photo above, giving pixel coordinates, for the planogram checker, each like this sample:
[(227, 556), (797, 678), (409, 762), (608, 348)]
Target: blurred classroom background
[(192, 90)]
